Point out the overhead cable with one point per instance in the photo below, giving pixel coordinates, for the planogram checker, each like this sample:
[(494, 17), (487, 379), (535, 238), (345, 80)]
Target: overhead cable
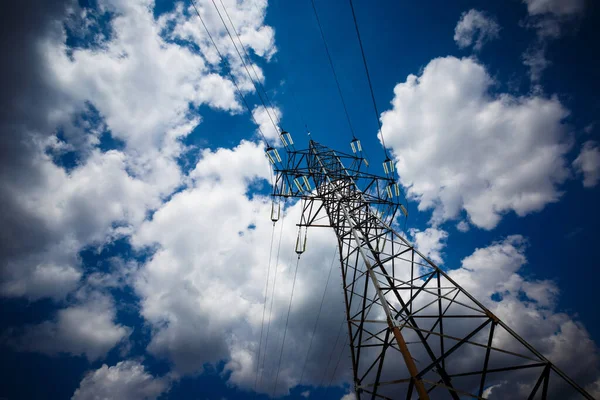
[(336, 365), (272, 298), (245, 66), (265, 305), (333, 69), (318, 314), (260, 85), (364, 58), (287, 320), (230, 74)]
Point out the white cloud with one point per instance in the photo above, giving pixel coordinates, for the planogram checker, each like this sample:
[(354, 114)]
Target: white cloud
[(556, 7), (475, 28), (349, 396), (126, 380), (86, 328), (528, 306), (550, 19), (430, 242), (78, 207), (146, 90), (535, 59), (463, 226), (587, 163), (457, 146), (267, 119), (208, 275)]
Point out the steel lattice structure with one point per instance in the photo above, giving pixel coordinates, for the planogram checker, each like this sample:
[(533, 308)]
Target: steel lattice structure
[(414, 332)]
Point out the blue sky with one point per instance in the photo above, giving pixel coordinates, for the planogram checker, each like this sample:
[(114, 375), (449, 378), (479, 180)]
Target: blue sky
[(135, 239)]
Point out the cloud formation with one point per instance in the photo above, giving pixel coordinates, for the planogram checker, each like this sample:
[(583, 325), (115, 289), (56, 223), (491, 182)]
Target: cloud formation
[(125, 380), (475, 29), (493, 275), (459, 147), (430, 242), (549, 19), (587, 163), (131, 88), (86, 328)]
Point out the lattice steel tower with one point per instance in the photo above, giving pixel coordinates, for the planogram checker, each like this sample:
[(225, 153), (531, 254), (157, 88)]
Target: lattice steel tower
[(414, 331)]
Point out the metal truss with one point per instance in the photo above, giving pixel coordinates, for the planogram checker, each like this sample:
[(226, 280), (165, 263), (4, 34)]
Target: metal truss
[(414, 332)]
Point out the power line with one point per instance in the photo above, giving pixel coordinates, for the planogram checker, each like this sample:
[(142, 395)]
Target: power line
[(287, 320), (337, 338), (318, 315), (244, 64), (364, 58), (336, 366), (250, 62), (272, 298), (333, 68), (265, 304), (229, 72)]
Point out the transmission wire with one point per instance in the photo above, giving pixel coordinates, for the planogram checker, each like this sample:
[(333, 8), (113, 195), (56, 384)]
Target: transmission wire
[(287, 320), (364, 58), (272, 298), (229, 73), (318, 315), (245, 66), (332, 68), (337, 338), (336, 366), (265, 305), (250, 62)]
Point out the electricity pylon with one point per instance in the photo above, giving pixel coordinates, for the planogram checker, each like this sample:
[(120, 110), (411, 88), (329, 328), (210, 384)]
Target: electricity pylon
[(414, 332)]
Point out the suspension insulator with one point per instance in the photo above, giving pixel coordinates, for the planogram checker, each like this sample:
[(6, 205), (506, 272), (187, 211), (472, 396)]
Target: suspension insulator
[(300, 241), (355, 145), (273, 155), (404, 211), (275, 211), (286, 138), (388, 166)]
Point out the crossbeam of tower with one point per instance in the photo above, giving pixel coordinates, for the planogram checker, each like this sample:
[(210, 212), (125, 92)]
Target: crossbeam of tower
[(413, 331)]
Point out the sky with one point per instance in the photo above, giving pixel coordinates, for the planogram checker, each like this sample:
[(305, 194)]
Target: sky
[(137, 245)]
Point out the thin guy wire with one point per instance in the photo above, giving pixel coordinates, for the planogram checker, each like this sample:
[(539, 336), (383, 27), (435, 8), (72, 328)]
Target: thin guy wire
[(229, 73), (262, 325), (364, 58), (332, 68), (250, 62), (245, 66), (272, 297), (336, 366), (318, 315), (287, 320), (337, 338)]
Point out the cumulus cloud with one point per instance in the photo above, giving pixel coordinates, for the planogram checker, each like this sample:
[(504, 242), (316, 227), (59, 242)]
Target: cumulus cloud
[(587, 163), (493, 275), (208, 274), (430, 242), (267, 120), (125, 380), (138, 82), (458, 147), (87, 328), (475, 29)]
